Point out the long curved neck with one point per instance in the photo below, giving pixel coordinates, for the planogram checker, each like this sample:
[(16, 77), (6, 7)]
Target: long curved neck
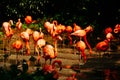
[(70, 38)]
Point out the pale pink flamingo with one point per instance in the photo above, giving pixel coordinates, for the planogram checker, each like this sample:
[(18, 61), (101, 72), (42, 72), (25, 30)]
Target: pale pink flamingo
[(39, 45), (8, 32), (54, 31), (50, 27), (25, 36), (49, 52), (36, 36), (19, 24)]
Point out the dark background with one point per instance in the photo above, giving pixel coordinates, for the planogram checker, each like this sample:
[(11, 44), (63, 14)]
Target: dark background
[(100, 13)]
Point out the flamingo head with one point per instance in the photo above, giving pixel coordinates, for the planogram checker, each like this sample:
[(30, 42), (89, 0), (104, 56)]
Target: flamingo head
[(89, 29)]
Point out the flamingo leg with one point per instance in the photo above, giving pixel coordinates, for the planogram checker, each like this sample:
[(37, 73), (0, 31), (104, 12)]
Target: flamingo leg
[(84, 56), (28, 48), (74, 49), (50, 61), (90, 52), (16, 57)]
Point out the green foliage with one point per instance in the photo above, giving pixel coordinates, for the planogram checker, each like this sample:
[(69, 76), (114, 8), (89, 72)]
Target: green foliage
[(82, 12)]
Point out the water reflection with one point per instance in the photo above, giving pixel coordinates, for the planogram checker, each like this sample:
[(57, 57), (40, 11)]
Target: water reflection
[(96, 74)]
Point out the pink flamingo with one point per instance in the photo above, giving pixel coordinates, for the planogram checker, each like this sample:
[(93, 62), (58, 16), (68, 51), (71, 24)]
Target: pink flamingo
[(69, 31), (25, 36), (17, 45), (19, 24), (117, 31), (40, 43), (52, 69), (102, 46), (54, 31), (76, 27), (49, 52), (81, 46), (8, 32), (82, 34)]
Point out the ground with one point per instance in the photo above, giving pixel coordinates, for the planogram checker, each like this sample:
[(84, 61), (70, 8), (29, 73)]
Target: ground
[(93, 69)]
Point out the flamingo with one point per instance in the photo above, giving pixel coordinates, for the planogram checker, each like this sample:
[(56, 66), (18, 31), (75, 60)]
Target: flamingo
[(53, 28), (69, 31), (19, 24), (72, 77), (50, 27), (81, 46), (17, 45), (25, 36), (28, 19), (38, 36), (117, 30), (49, 52), (29, 31), (76, 27), (109, 36), (54, 31), (52, 69), (59, 27), (40, 43), (102, 46), (82, 34), (108, 30), (105, 45), (8, 31)]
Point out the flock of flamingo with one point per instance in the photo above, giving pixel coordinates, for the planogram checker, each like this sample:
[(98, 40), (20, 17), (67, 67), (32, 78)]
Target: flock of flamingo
[(55, 30)]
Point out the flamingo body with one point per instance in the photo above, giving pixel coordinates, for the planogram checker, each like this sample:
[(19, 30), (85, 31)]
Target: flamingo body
[(25, 36), (102, 46), (76, 27), (19, 25), (28, 19), (41, 43), (7, 29), (81, 48), (108, 30), (109, 36), (48, 50), (68, 29), (36, 36), (81, 45), (79, 33), (17, 45)]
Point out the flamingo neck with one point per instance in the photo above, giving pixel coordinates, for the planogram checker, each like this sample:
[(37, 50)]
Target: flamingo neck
[(69, 36)]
